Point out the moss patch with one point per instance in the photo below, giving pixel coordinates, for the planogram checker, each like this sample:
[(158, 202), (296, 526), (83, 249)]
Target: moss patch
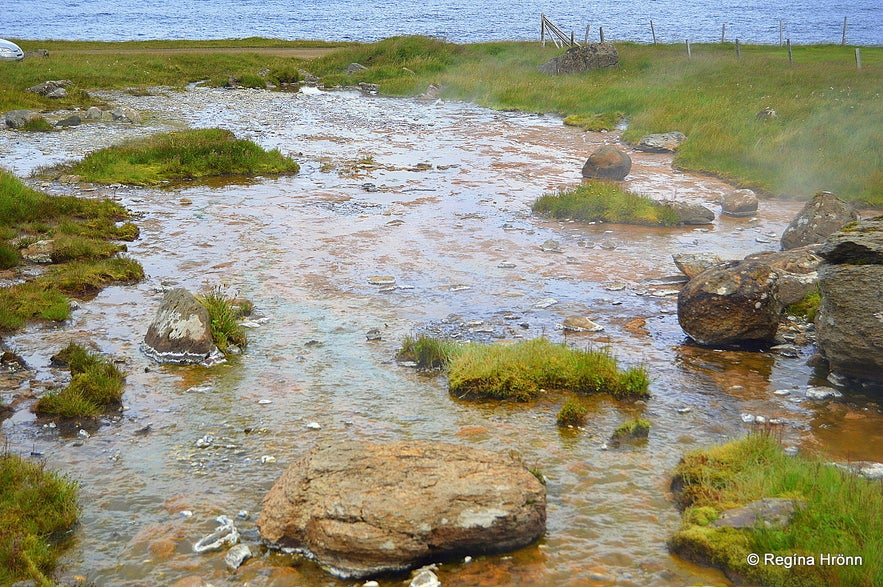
[(841, 516)]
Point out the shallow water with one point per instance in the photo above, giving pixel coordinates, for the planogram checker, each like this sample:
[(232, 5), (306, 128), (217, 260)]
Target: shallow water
[(448, 202)]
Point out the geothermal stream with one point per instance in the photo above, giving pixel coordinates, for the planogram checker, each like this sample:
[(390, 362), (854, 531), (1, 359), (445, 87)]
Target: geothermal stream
[(436, 195)]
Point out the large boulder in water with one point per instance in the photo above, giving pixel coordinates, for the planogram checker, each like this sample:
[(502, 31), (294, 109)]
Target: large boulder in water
[(181, 331), (821, 217), (849, 322), (731, 304), (581, 59), (365, 509), (607, 163)]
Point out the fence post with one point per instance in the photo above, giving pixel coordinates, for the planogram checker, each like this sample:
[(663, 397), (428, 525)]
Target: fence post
[(653, 32), (543, 29), (723, 32), (587, 34), (790, 55), (781, 26), (843, 41), (738, 50), (858, 58), (689, 51), (601, 32)]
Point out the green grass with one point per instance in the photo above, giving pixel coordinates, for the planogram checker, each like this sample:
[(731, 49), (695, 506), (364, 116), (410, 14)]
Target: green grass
[(429, 353), (84, 260), (841, 515), (604, 201), (807, 307), (36, 507), (525, 370), (826, 136), (95, 385), (189, 154), (572, 413), (225, 314), (634, 429)]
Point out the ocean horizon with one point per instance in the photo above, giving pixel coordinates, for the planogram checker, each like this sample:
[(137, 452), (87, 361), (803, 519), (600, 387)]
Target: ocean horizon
[(463, 21)]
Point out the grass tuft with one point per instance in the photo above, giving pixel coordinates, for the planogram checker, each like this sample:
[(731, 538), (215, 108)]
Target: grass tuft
[(225, 314), (36, 506), (572, 413), (429, 353), (95, 386), (841, 514), (603, 201)]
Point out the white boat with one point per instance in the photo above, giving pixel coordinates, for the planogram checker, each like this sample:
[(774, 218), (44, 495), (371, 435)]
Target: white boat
[(9, 51)]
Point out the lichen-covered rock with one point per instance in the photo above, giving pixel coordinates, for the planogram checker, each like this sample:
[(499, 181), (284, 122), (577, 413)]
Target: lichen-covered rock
[(731, 304), (581, 59), (181, 331), (692, 264), (365, 509), (859, 243), (21, 118), (797, 269), (607, 163), (821, 217)]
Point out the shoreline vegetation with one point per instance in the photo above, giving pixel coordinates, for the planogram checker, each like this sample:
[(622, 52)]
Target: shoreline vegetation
[(836, 514), (825, 136)]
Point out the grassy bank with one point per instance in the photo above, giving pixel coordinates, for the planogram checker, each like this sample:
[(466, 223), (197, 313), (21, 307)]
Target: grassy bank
[(80, 237), (189, 154), (602, 201), (826, 135), (840, 515), (525, 370), (36, 507)]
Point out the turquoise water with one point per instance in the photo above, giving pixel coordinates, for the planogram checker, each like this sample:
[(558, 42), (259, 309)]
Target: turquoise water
[(750, 21)]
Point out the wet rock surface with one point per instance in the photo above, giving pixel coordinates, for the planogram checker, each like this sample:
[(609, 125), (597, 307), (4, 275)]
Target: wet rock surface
[(365, 509), (607, 162), (181, 331), (731, 304), (661, 143)]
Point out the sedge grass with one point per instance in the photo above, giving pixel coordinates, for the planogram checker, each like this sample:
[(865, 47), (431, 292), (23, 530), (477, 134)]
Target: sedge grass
[(605, 201), (840, 514), (525, 370), (36, 507), (95, 385), (180, 155), (225, 313)]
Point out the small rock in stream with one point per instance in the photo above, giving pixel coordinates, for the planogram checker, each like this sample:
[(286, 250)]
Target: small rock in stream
[(236, 556), (373, 334), (551, 246), (225, 534)]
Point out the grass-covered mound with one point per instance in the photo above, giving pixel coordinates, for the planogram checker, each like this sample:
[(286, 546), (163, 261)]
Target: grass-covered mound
[(96, 385), (604, 201), (181, 155), (840, 516), (83, 254), (36, 506), (525, 370)]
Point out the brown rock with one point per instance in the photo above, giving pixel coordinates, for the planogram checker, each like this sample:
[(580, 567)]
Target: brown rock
[(607, 163), (731, 304), (739, 203), (364, 509)]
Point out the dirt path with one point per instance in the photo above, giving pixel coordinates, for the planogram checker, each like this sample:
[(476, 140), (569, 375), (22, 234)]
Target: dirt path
[(294, 52)]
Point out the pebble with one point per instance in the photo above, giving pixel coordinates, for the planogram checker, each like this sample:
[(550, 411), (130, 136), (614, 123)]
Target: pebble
[(425, 578), (205, 441), (373, 334), (264, 402), (748, 418), (225, 534), (381, 280), (685, 410), (506, 265), (314, 426), (83, 434), (545, 303), (236, 556), (268, 459), (814, 392), (782, 392), (185, 514), (551, 246)]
